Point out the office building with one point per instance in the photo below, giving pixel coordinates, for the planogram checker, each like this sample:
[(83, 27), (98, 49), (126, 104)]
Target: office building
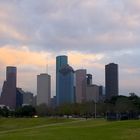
[(111, 80), (8, 95), (81, 83), (66, 85), (43, 89), (61, 61)]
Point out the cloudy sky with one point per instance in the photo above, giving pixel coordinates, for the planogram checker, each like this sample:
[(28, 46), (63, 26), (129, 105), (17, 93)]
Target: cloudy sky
[(91, 32)]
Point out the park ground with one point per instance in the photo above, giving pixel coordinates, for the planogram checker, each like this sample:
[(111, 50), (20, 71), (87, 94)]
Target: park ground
[(68, 129)]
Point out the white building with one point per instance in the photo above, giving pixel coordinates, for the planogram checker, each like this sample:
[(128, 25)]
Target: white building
[(43, 89)]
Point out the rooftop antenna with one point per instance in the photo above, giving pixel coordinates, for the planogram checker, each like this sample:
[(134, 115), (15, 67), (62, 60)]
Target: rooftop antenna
[(47, 68)]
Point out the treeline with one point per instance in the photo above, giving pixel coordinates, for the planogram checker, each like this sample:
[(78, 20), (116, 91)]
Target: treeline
[(116, 105), (25, 111), (120, 107)]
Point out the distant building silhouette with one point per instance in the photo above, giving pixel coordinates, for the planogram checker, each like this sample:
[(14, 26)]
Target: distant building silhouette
[(81, 83), (53, 102), (28, 98), (89, 79), (61, 61), (66, 85), (111, 80), (8, 95), (92, 92), (43, 89), (19, 97), (101, 93), (24, 98)]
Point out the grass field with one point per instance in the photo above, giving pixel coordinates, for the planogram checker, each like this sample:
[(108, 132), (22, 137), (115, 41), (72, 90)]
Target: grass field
[(68, 129)]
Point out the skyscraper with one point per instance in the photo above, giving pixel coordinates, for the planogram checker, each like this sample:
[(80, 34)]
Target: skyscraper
[(8, 95), (66, 85), (43, 89), (61, 61), (111, 80), (81, 84)]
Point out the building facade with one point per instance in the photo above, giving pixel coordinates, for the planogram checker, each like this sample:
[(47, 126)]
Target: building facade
[(81, 83), (8, 95), (66, 85), (61, 61), (111, 80), (43, 89)]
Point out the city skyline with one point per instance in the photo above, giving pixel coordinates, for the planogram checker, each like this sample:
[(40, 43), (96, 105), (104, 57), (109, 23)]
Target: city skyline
[(92, 31), (75, 70)]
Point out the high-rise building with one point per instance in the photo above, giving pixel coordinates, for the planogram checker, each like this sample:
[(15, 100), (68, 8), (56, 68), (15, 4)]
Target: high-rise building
[(61, 61), (43, 89), (66, 85), (89, 79), (111, 80), (8, 95), (81, 83)]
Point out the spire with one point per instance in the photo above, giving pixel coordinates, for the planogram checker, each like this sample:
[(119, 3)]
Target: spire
[(47, 68)]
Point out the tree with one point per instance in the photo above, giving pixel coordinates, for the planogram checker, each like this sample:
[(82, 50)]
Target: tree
[(4, 112), (25, 111)]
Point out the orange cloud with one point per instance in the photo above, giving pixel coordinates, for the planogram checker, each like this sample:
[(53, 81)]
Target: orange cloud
[(9, 55), (22, 56)]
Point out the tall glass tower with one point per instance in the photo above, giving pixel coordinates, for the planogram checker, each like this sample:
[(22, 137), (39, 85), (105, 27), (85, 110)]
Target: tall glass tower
[(61, 61), (66, 85)]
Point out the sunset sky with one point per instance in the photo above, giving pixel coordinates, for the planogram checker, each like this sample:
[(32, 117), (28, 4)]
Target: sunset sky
[(91, 32)]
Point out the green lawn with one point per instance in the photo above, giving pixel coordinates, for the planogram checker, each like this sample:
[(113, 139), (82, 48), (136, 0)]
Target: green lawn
[(68, 129)]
